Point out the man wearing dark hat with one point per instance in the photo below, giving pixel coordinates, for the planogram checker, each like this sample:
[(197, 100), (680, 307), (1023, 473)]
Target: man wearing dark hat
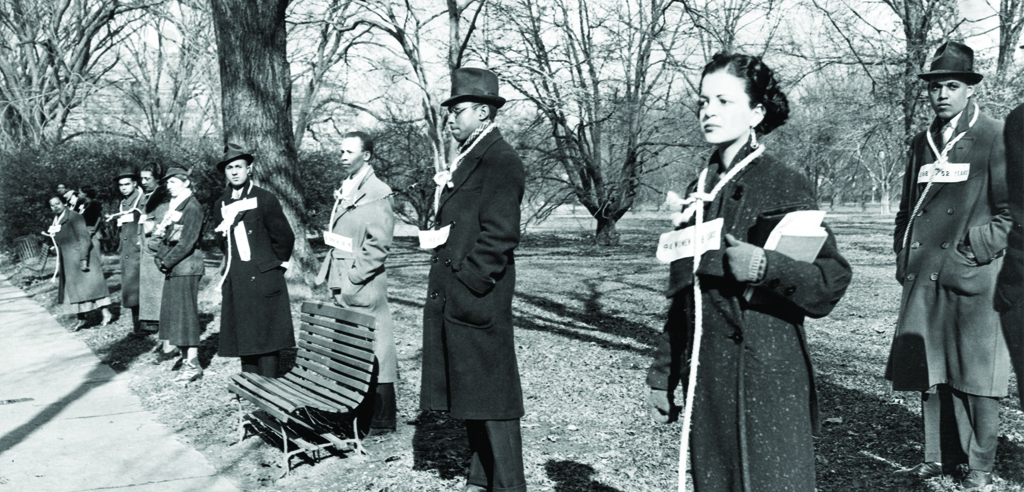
[(128, 247), (950, 239), (469, 360), (257, 241)]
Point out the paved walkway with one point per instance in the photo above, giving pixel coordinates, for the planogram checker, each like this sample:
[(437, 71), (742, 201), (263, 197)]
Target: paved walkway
[(70, 423)]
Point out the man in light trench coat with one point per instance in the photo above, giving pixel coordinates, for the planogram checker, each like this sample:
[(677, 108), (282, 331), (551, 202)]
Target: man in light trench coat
[(360, 232), (950, 238), (469, 358)]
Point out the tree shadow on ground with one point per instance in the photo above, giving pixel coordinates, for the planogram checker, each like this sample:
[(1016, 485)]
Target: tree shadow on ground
[(440, 444), (865, 438), (574, 477)]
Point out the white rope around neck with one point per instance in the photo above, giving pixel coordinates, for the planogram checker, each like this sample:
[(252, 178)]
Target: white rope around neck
[(444, 178), (696, 202), (941, 159)]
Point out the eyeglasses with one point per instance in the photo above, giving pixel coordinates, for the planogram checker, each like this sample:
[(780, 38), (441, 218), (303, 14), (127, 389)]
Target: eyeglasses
[(456, 111)]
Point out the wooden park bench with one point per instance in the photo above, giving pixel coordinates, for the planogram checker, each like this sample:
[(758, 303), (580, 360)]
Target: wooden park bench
[(330, 379)]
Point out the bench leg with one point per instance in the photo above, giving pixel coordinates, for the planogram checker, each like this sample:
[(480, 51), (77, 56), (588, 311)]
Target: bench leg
[(284, 449), (241, 420), (358, 443)]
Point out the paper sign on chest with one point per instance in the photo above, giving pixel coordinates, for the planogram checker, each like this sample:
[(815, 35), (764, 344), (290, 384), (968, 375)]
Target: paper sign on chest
[(951, 172), (431, 239), (126, 219), (681, 244), (338, 242)]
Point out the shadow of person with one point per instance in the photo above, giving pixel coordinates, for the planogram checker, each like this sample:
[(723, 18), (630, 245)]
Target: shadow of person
[(440, 443), (574, 477)]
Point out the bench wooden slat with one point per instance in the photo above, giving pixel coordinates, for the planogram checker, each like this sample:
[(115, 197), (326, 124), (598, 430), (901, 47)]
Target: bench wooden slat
[(293, 435), (314, 399), (284, 405), (360, 372), (362, 351), (332, 311), (309, 380), (338, 382), (265, 405), (282, 391), (360, 332), (329, 336)]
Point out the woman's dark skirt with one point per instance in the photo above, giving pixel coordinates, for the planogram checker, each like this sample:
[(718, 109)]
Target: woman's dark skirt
[(179, 311)]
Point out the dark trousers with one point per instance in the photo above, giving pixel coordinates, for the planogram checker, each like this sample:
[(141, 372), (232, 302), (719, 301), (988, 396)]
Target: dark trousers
[(263, 364), (960, 427), (1013, 330), (497, 461)]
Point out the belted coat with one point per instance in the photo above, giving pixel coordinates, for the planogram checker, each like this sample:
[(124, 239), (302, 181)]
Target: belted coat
[(129, 248), (255, 315), (755, 401), (74, 244), (948, 331), (469, 359), (358, 278)]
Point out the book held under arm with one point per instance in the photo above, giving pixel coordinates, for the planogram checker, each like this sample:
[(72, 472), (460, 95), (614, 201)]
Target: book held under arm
[(798, 235)]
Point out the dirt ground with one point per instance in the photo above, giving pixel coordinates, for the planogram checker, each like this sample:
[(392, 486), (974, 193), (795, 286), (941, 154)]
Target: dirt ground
[(587, 319)]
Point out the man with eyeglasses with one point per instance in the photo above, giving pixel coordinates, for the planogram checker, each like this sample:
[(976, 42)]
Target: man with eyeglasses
[(950, 238), (469, 360)]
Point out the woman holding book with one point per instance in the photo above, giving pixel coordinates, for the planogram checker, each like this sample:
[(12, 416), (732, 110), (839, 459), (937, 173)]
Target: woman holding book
[(754, 403)]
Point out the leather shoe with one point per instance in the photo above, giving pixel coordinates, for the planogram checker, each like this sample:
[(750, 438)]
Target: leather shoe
[(977, 480), (923, 471)]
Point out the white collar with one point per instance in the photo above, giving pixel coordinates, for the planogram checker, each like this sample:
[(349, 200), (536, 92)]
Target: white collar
[(178, 200)]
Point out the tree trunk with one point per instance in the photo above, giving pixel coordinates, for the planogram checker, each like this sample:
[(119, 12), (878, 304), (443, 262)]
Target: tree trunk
[(886, 199), (606, 234), (256, 90)]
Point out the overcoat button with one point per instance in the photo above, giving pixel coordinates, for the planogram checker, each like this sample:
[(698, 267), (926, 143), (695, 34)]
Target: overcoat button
[(910, 277), (448, 262), (944, 245), (934, 276), (433, 259), (949, 210), (252, 279), (790, 290), (433, 295), (915, 245)]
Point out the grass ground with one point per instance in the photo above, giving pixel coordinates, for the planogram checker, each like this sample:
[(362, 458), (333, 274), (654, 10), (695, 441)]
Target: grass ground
[(587, 319)]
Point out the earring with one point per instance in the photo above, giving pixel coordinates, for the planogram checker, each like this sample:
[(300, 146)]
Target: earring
[(753, 139)]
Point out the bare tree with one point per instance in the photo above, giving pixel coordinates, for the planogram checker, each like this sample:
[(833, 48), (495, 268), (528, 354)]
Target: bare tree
[(256, 100), (52, 55), (1011, 23), (598, 77)]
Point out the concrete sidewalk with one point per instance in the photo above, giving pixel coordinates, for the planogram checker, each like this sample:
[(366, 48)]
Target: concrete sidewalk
[(70, 423)]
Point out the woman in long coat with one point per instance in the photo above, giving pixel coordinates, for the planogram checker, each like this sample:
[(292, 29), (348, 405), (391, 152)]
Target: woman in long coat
[(256, 317), (151, 280), (180, 259), (755, 406), (81, 286)]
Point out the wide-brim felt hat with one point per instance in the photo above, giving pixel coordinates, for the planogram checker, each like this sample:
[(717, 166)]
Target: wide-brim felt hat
[(127, 172), (953, 59), (179, 172), (474, 84), (233, 151)]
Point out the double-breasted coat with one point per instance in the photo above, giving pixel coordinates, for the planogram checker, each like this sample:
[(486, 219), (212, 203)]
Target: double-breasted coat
[(358, 278), (151, 280), (74, 244), (255, 311), (948, 331), (128, 247), (469, 360), (755, 406)]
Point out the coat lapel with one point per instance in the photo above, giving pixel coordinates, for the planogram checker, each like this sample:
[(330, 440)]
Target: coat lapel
[(468, 165), (357, 197), (958, 154)]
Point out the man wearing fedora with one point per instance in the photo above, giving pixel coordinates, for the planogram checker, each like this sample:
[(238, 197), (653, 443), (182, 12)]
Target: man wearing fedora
[(257, 242), (469, 360), (128, 245), (950, 238)]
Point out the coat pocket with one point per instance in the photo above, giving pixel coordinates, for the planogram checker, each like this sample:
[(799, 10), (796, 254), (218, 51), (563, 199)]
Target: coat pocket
[(272, 283), (356, 295), (464, 307), (964, 276)]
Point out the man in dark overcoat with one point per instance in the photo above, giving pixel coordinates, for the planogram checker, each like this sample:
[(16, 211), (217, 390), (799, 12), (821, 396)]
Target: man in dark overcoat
[(257, 241), (128, 246), (1010, 291), (950, 239), (469, 360)]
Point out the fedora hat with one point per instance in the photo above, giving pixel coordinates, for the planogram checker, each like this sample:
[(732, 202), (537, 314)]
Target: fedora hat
[(953, 59), (179, 172), (127, 172), (474, 84), (233, 151)]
